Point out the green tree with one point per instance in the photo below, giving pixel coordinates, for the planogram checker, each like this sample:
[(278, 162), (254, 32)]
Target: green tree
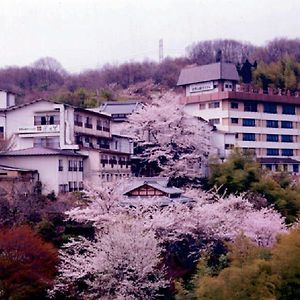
[(236, 174), (241, 173), (253, 273)]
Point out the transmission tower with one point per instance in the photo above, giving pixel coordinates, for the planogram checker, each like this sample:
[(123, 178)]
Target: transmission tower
[(160, 50)]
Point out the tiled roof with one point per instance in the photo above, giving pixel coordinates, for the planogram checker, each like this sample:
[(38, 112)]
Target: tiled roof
[(119, 107), (11, 108), (158, 183), (277, 160), (40, 151), (209, 72)]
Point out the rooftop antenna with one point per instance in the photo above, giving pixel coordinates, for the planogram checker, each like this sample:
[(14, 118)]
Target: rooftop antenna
[(160, 50)]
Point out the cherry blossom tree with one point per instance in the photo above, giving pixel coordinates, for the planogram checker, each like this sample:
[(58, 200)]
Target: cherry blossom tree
[(125, 259), (178, 143)]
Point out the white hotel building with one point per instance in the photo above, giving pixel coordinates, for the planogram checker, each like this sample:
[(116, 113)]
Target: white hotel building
[(67, 145), (267, 123)]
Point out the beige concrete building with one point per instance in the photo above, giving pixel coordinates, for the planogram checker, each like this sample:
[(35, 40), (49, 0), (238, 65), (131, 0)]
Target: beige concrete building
[(266, 122)]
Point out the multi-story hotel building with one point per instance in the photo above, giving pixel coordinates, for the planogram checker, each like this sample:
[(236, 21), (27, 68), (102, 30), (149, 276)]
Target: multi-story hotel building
[(66, 144), (266, 122)]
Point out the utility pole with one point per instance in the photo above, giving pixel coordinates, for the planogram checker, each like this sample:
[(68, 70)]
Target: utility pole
[(160, 50)]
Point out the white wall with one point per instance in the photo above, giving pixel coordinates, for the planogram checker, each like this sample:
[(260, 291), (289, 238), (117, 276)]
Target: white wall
[(47, 167)]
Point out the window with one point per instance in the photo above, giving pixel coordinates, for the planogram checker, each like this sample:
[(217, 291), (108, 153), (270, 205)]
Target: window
[(60, 165), (71, 186), (270, 108), (75, 165), (287, 152), (1, 132), (248, 136), (103, 160), (272, 152), (113, 161), (75, 187), (70, 164), (234, 105), (249, 122), (103, 143), (46, 119), (234, 120), (272, 138), (214, 121), (269, 167), (272, 123), (287, 138), (286, 124), (47, 142), (236, 135), (80, 186), (229, 146), (79, 139), (250, 106), (106, 125), (288, 109), (81, 166), (202, 106), (99, 125), (295, 168), (88, 123), (78, 120), (214, 105), (62, 188)]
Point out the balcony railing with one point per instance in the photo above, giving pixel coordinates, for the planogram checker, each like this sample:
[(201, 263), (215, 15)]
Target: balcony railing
[(78, 123), (88, 125)]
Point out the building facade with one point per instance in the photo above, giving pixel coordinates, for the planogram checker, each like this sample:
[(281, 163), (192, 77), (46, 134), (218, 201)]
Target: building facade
[(265, 122), (65, 142)]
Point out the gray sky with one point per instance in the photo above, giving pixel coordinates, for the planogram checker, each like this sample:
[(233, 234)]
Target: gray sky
[(84, 34)]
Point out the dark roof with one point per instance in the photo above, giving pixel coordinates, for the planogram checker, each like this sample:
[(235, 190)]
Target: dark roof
[(216, 71), (277, 160), (119, 107), (8, 168), (55, 102), (40, 151), (158, 183)]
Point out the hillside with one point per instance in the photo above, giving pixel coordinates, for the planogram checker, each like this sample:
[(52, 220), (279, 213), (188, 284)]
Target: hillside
[(277, 64)]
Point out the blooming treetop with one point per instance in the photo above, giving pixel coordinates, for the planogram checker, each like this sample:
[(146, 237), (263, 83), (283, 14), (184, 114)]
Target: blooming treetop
[(179, 143), (124, 259)]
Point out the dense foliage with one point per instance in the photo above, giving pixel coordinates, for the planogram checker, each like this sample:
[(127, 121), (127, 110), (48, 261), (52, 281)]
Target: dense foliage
[(252, 272), (241, 173), (128, 257), (27, 264)]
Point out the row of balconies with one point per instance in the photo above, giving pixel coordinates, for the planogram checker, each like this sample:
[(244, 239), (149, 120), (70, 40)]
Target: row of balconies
[(113, 162), (90, 126)]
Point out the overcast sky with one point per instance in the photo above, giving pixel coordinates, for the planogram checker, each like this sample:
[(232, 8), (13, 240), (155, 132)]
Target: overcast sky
[(84, 34)]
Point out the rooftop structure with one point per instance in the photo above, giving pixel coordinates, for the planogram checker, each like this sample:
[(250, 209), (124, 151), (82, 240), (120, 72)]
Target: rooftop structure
[(217, 71)]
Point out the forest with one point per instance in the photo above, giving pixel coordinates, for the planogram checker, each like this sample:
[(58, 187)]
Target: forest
[(276, 65)]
